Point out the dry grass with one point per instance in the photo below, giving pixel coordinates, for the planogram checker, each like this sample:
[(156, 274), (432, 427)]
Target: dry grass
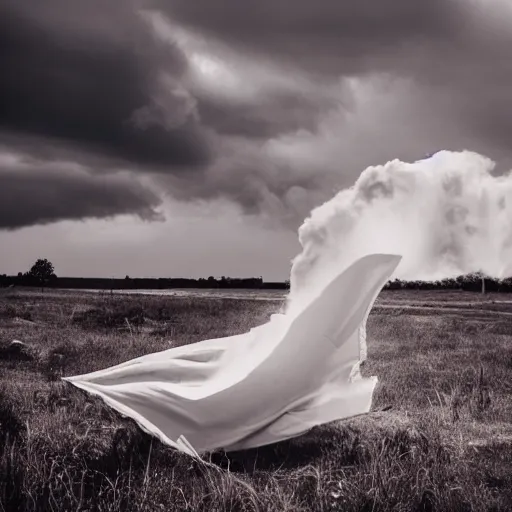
[(439, 438)]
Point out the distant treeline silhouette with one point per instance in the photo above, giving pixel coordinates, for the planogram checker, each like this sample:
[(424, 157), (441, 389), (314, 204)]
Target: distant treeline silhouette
[(472, 282), (140, 283)]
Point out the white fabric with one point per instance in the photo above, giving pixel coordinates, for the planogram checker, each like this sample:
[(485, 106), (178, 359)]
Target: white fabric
[(275, 382)]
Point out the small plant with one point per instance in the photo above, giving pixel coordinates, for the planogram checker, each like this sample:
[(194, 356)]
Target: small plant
[(57, 360), (11, 311), (11, 427), (113, 316), (472, 393)]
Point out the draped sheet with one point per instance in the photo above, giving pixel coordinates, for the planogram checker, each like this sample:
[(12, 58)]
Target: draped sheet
[(272, 383)]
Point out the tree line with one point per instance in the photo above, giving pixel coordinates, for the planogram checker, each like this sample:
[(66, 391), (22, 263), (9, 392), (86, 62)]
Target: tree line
[(475, 282), (42, 274)]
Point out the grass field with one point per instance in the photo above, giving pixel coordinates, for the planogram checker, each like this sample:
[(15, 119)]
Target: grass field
[(439, 437)]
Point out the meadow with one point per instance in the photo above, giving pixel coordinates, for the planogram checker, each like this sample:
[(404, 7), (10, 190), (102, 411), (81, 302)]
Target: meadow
[(438, 438)]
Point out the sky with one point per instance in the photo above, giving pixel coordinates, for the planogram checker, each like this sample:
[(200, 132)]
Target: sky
[(182, 138)]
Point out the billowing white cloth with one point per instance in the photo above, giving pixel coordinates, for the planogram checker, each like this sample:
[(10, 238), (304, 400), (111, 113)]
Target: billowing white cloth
[(275, 382)]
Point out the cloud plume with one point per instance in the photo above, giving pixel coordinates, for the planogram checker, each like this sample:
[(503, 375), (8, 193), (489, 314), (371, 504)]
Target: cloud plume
[(446, 215)]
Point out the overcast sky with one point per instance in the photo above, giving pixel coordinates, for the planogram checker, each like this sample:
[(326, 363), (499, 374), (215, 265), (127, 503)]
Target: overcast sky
[(192, 137)]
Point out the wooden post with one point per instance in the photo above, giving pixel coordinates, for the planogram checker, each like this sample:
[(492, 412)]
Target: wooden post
[(483, 285)]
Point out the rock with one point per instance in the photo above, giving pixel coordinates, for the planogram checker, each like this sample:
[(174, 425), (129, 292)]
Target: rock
[(16, 351), (23, 321)]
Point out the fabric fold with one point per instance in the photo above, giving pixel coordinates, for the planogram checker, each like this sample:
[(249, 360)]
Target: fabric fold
[(275, 382)]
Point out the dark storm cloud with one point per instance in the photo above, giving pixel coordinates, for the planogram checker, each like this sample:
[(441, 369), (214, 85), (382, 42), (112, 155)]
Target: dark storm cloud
[(91, 82), (246, 176), (267, 117), (331, 36), (41, 193), (453, 49), (81, 73)]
